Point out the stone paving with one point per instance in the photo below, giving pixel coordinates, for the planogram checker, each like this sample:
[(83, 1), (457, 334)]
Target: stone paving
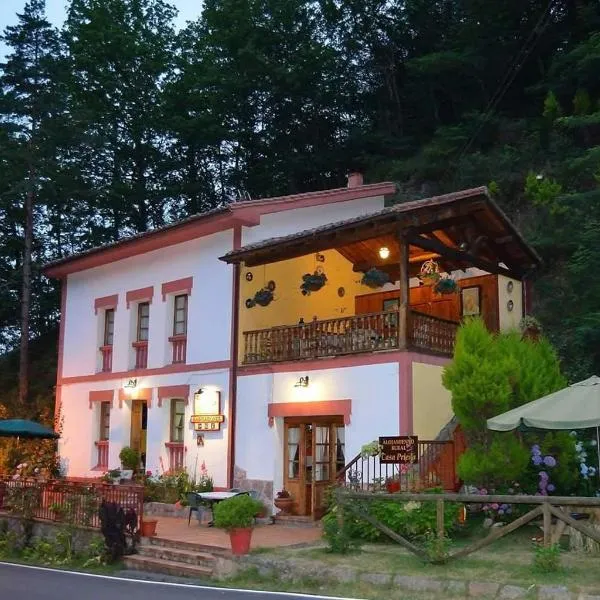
[(263, 536)]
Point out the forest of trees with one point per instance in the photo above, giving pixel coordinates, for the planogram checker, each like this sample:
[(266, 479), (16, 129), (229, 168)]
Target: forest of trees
[(117, 123)]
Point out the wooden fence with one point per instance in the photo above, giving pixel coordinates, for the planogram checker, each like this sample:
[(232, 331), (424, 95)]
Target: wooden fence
[(74, 502), (545, 507)]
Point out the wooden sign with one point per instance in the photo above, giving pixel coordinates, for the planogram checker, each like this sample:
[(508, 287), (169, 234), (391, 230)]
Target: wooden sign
[(207, 418), (399, 450)]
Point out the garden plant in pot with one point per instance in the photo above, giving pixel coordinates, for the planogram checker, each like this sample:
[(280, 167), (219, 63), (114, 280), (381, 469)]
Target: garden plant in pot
[(284, 502), (236, 515), (130, 458)]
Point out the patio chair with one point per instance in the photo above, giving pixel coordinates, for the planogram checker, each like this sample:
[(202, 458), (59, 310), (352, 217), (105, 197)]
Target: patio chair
[(194, 505)]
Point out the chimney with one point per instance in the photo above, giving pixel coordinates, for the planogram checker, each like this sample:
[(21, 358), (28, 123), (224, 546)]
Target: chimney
[(355, 180)]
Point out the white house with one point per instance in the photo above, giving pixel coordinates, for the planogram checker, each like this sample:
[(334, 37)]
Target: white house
[(195, 342)]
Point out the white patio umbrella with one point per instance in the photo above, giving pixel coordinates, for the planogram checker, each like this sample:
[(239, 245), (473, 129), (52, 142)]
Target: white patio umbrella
[(574, 407)]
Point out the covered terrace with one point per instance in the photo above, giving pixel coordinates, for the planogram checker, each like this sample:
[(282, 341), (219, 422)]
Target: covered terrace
[(464, 237)]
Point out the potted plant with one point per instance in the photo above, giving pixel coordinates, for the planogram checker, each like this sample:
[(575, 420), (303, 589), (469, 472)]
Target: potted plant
[(392, 484), (113, 476), (130, 458), (284, 502), (530, 328), (149, 527), (236, 515), (374, 278), (445, 285), (430, 272), (313, 283), (263, 297)]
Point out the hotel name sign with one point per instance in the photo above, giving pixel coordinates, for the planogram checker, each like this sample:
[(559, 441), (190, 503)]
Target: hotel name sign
[(207, 410), (399, 450)]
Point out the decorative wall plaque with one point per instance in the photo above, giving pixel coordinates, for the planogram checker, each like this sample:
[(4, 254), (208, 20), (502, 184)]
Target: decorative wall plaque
[(207, 410), (399, 450)]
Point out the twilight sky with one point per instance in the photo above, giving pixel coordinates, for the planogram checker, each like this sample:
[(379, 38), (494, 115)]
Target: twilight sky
[(56, 9)]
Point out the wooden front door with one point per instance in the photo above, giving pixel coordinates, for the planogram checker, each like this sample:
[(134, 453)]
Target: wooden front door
[(139, 421), (313, 454)]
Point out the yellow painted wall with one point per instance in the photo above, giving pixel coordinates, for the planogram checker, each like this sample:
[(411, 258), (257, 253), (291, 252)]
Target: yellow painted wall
[(289, 303), (432, 408), (509, 319)]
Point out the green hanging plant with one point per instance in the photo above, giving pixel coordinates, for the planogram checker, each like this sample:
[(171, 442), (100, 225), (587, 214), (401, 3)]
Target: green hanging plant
[(446, 285), (313, 283), (374, 278)]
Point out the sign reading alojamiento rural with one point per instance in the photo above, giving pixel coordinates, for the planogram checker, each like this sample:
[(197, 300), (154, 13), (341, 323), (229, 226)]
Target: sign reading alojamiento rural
[(399, 450)]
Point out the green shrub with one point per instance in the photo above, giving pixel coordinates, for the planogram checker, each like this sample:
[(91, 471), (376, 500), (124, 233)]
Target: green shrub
[(130, 458), (237, 512), (408, 519), (338, 531), (546, 559), (438, 549)]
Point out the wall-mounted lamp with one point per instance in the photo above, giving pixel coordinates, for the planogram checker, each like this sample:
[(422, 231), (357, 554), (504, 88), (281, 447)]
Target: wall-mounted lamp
[(131, 384), (384, 252), (302, 382)]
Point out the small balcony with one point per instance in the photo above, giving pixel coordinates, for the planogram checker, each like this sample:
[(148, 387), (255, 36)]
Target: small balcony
[(102, 449), (348, 335), (176, 452), (106, 352), (141, 354), (179, 344)]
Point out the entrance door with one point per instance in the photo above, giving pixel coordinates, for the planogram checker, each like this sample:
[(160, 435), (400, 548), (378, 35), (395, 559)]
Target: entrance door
[(139, 425), (314, 453)]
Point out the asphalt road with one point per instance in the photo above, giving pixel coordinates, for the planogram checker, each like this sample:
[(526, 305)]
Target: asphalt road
[(32, 583)]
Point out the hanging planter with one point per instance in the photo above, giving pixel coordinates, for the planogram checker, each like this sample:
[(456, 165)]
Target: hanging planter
[(430, 272), (374, 278), (445, 285), (263, 297), (313, 283)]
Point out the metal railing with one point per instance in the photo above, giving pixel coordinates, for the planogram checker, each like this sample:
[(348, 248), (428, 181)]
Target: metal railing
[(141, 354), (102, 447), (176, 452), (74, 502), (179, 343), (436, 467)]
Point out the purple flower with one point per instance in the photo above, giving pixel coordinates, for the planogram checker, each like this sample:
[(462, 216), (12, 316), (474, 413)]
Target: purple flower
[(483, 491), (494, 506), (500, 512), (549, 461), (551, 487), (544, 476), (535, 450), (536, 459)]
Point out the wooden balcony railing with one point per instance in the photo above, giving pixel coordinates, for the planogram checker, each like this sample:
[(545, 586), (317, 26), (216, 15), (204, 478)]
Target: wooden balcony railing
[(102, 447), (347, 335), (141, 354), (431, 333), (106, 358), (176, 452), (179, 343)]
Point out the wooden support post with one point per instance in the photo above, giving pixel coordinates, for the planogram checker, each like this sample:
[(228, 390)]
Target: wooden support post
[(547, 524), (440, 519), (404, 291)]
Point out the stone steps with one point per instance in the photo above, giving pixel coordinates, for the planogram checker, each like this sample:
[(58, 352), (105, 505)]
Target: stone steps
[(190, 557), (180, 545), (296, 521), (139, 562)]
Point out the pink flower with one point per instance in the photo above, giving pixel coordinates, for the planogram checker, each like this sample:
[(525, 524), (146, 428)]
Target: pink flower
[(494, 506), (148, 473)]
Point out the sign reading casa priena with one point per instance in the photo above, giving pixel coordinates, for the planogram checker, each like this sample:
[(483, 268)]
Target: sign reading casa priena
[(399, 450)]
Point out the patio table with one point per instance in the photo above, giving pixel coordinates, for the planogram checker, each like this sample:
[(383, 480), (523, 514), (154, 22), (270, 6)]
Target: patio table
[(213, 498)]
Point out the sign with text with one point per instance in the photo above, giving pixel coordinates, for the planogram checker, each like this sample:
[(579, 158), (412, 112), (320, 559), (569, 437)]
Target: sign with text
[(207, 410), (399, 450)]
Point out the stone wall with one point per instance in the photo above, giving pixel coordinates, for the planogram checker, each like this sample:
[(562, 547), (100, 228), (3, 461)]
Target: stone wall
[(263, 487), (82, 537)]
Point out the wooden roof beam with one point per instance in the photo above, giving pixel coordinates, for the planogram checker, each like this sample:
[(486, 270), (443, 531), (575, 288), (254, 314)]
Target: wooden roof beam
[(460, 255), (365, 266)]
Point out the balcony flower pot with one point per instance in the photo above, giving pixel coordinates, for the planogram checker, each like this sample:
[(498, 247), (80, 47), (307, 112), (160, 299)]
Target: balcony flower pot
[(374, 278), (237, 516), (312, 283), (149, 527)]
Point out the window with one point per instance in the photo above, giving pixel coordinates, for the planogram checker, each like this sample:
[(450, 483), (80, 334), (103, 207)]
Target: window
[(143, 321), (177, 420), (180, 315), (109, 326), (104, 420)]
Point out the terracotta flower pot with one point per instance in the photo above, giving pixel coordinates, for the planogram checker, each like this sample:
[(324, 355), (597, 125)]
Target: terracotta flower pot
[(285, 505), (240, 540), (149, 527), (393, 486)]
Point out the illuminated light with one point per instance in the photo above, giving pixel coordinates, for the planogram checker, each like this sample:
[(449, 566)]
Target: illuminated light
[(302, 382), (384, 252)]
